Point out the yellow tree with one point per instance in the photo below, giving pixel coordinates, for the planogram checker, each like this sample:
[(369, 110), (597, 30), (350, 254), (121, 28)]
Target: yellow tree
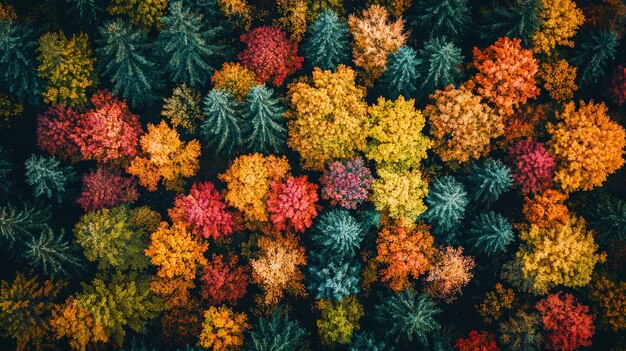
[(400, 194), (143, 13), (559, 79), (560, 20), (222, 329)]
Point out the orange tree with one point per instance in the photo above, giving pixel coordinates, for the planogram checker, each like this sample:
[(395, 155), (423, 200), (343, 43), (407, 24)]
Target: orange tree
[(222, 329)]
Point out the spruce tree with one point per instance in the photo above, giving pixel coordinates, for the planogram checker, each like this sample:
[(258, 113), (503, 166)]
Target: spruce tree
[(516, 19), (222, 125), (439, 65), (326, 44), (334, 280), (490, 233), (488, 180), (86, 10), (608, 217), (401, 76), (338, 234), (367, 341), (263, 122), (446, 202), (47, 177), (16, 224), (592, 55), (50, 253), (18, 46), (442, 17), (277, 333), (406, 316), (188, 47), (124, 56)]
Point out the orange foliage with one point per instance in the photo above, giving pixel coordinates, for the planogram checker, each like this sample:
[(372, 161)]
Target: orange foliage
[(450, 272), (610, 299), (174, 291), (558, 79), (182, 325), (495, 303), (234, 78), (223, 329), (72, 321), (546, 209), (523, 123)]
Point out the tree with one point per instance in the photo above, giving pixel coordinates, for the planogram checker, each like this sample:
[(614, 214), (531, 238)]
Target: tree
[(588, 146), (404, 252), (559, 79), (78, 325), (237, 10), (338, 235), (593, 52), (5, 170), (526, 123), (491, 233), (277, 333), (560, 20), (235, 79), (166, 157), (609, 297), (143, 13), (461, 125), (532, 166), (618, 85), (608, 218), (400, 77), (222, 329), (57, 133), (17, 55), (572, 251), (27, 305), (47, 177), (263, 124), (292, 203), (400, 194), (124, 56), (375, 36), (406, 316), (270, 55), (221, 128), (67, 67), (182, 325), (477, 340), (442, 18), (506, 74), (546, 209), (103, 188), (326, 44), (248, 182), (521, 332), (395, 139), (367, 341), (338, 320), (51, 254), (516, 19), (17, 224), (333, 279), (188, 46), (346, 183), (496, 303), (328, 118), (439, 65), (107, 237), (183, 108), (292, 18), (567, 324), (88, 11), (488, 180), (10, 109), (224, 281), (450, 272), (446, 202), (205, 212)]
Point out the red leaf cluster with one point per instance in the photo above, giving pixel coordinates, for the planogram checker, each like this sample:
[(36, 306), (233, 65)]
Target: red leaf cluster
[(477, 341), (567, 324), (224, 282), (532, 166), (103, 188), (56, 133), (292, 203)]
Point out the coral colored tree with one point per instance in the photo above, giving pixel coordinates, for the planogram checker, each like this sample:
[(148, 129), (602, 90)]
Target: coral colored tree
[(104, 188), (270, 55), (328, 118), (567, 324), (204, 211), (588, 146), (546, 209), (224, 281), (57, 133), (506, 74), (165, 157), (532, 166), (477, 340), (292, 204), (346, 183), (223, 329), (560, 19), (450, 272)]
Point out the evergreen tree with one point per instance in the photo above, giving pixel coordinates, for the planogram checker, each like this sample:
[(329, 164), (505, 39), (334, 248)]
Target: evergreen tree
[(125, 57), (406, 316), (338, 234), (608, 217), (263, 127), (442, 17), (188, 47), (488, 180), (521, 332), (367, 341), (47, 177), (18, 46), (221, 127), (593, 53), (277, 333), (16, 224), (330, 279), (369, 219), (517, 19), (439, 65), (87, 10), (490, 233), (50, 253), (446, 202), (326, 45), (402, 75)]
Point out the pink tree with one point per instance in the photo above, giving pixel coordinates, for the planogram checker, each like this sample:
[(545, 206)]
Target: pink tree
[(292, 203), (346, 183), (532, 166)]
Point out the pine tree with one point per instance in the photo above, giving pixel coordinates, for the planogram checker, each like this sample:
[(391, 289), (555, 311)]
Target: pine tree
[(517, 19), (188, 48), (222, 125), (402, 75), (592, 54), (446, 202), (406, 316), (47, 177), (264, 125), (125, 57), (442, 17), (367, 341), (338, 234), (491, 233), (608, 217), (334, 280), (87, 10), (488, 180), (326, 45), (16, 224), (18, 46), (50, 253), (439, 65), (277, 333)]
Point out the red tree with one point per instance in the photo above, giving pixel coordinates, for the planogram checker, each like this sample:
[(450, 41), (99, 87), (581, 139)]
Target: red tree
[(532, 166), (270, 54), (205, 212), (103, 188), (56, 133), (292, 203), (567, 324), (477, 341), (224, 282)]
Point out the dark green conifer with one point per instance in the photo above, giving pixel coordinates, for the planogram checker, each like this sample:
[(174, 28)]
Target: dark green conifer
[(47, 177), (18, 46), (592, 54), (263, 122), (608, 217), (86, 10), (488, 180), (446, 202), (5, 170), (442, 17), (277, 333), (16, 224), (401, 76), (367, 341), (439, 65), (338, 234), (333, 279), (490, 233), (326, 45), (515, 19), (406, 316), (221, 128), (50, 253)]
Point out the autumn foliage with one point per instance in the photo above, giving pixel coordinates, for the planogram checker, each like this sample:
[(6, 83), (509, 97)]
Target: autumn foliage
[(449, 273), (477, 341), (346, 183), (103, 188), (532, 166), (292, 204), (222, 329), (224, 280), (567, 324)]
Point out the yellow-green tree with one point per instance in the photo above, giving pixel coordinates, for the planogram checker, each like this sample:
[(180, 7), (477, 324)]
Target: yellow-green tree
[(339, 320), (400, 194), (143, 13), (78, 325)]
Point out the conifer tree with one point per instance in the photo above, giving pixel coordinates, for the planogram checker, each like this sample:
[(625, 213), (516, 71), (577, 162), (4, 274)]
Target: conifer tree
[(264, 125), (439, 65), (18, 46), (188, 47), (87, 10), (401, 76), (277, 333), (446, 202), (222, 125), (442, 17), (124, 53), (592, 54), (608, 217), (488, 180), (367, 341), (338, 234), (331, 279), (16, 224), (516, 19), (406, 316), (491, 233), (47, 177), (326, 45), (50, 253)]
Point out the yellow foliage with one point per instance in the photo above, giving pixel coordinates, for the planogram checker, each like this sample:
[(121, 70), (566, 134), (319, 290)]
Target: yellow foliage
[(7, 12), (400, 194), (495, 303), (559, 79), (9, 109), (72, 321), (234, 78), (293, 18), (610, 299), (560, 20), (237, 10), (183, 108), (339, 320), (142, 13), (395, 7), (222, 329)]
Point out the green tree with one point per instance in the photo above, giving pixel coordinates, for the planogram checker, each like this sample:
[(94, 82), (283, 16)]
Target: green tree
[(18, 46), (50, 253), (442, 17), (329, 279), (401, 76), (488, 180), (439, 65), (490, 233), (326, 44), (592, 55), (446, 202), (16, 224), (87, 10), (222, 125), (5, 169), (47, 177), (263, 122), (188, 46), (277, 333), (608, 217), (515, 19), (367, 341), (338, 234), (406, 316), (124, 53)]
